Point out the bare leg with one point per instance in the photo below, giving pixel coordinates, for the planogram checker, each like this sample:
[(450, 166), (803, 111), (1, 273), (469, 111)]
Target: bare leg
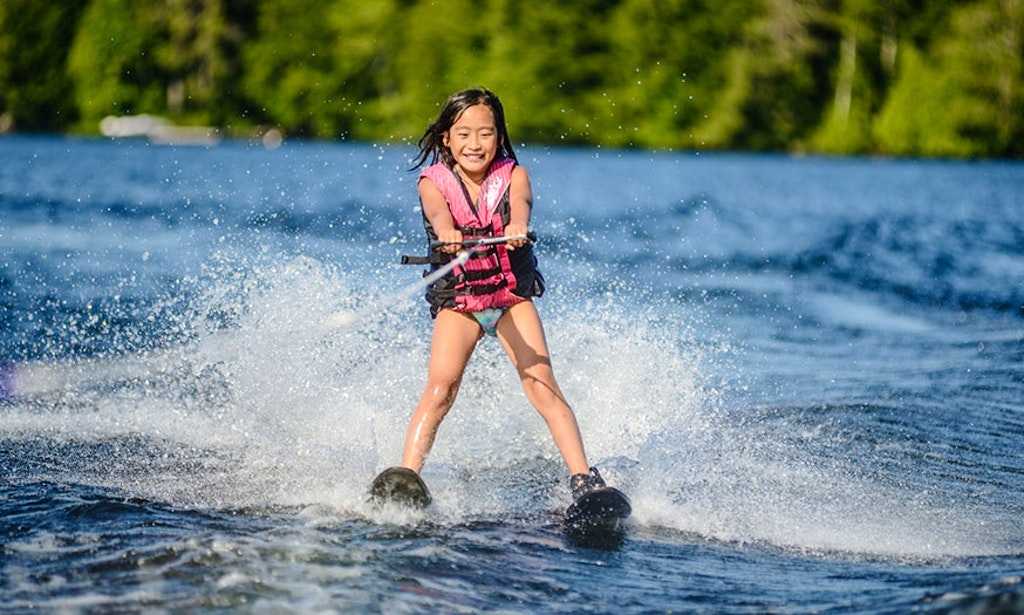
[(455, 336), (522, 335)]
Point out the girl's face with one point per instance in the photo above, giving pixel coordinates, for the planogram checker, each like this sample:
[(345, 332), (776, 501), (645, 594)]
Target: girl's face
[(473, 140)]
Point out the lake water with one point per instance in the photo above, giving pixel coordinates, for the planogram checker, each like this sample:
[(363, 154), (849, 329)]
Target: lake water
[(807, 373)]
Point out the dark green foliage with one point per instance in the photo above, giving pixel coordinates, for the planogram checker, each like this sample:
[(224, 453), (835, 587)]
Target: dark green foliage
[(965, 97), (170, 57), (35, 93), (773, 93), (907, 77)]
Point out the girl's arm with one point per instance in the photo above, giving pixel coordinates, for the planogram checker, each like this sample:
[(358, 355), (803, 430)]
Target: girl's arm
[(435, 209), (521, 203)]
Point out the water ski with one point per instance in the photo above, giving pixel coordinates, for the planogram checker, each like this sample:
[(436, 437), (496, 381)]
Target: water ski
[(400, 486), (598, 512)]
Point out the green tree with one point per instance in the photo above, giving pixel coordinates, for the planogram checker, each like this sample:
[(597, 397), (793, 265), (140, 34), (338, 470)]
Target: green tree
[(934, 77), (915, 118), (35, 92), (662, 81), (318, 68), (771, 96), (431, 59), (154, 56), (548, 65), (856, 83), (984, 58), (195, 54), (966, 99), (112, 62)]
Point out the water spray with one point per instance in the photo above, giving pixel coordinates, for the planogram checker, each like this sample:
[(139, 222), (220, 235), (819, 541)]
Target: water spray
[(41, 377)]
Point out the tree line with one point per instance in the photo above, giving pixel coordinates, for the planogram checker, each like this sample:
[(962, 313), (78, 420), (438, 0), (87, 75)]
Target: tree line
[(900, 77)]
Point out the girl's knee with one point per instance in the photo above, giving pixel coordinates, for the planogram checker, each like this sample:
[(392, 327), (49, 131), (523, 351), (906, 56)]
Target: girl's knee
[(543, 393), (440, 393)]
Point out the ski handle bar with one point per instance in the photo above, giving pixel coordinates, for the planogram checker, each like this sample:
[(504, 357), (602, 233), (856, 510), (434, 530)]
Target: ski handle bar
[(530, 237)]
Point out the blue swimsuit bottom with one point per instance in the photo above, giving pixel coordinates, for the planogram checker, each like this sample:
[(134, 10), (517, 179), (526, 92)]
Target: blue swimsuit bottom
[(488, 320)]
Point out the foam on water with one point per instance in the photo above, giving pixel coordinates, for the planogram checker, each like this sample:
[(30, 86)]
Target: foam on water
[(259, 404)]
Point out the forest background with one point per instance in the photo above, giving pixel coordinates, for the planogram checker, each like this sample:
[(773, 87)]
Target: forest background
[(899, 77)]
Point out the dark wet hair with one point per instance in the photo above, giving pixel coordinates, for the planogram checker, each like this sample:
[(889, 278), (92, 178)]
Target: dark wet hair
[(431, 144)]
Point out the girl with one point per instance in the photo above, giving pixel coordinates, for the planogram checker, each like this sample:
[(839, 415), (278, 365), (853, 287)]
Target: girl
[(475, 188)]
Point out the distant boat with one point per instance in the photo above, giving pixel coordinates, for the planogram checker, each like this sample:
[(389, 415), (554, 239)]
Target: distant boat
[(158, 130), (130, 125)]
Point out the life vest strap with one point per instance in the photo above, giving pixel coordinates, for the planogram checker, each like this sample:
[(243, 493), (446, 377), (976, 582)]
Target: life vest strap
[(473, 232), (484, 289), (480, 274)]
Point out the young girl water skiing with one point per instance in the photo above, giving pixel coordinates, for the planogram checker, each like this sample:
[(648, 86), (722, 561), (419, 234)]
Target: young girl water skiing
[(475, 188)]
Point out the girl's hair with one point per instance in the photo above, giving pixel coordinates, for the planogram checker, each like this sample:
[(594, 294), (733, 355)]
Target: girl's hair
[(432, 145)]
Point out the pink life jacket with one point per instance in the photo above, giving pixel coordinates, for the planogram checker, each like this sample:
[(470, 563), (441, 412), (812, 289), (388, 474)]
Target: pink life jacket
[(486, 280)]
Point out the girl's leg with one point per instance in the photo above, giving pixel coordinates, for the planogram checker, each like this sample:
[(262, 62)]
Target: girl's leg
[(521, 333), (455, 336)]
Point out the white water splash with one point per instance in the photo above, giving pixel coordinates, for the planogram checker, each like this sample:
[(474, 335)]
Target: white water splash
[(270, 408)]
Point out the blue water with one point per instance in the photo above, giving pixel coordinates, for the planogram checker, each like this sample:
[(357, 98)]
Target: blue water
[(807, 373)]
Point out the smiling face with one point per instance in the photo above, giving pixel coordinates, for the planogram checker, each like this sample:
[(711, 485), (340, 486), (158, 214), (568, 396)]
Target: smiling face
[(473, 140)]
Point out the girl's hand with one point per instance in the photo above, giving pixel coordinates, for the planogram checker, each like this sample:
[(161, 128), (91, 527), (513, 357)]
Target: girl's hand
[(453, 240), (513, 230)]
